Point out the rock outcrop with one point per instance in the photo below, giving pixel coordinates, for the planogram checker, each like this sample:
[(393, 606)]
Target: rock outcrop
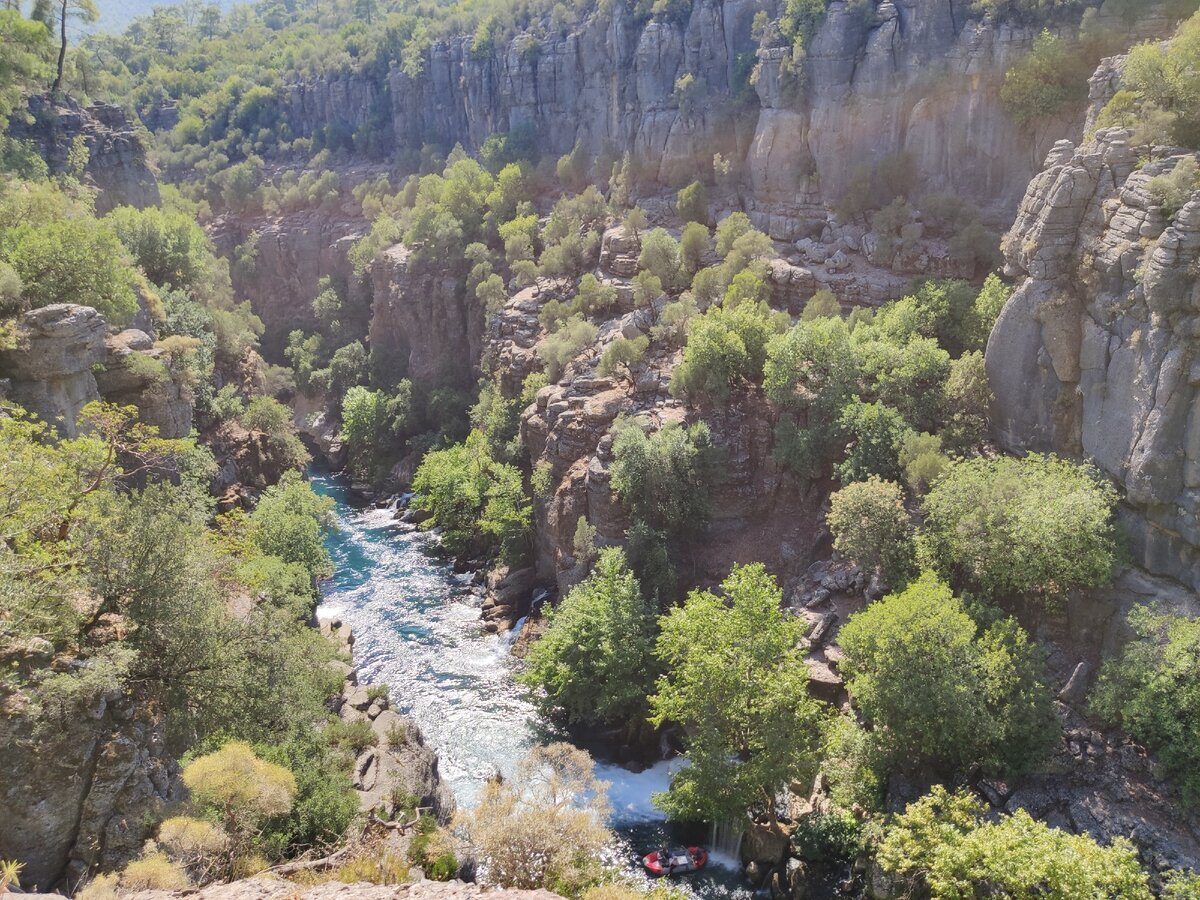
[(116, 163), (136, 373), (400, 763), (291, 255), (1096, 354), (49, 365), (78, 795)]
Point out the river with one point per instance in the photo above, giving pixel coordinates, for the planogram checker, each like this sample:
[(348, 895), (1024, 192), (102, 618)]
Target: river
[(417, 629)]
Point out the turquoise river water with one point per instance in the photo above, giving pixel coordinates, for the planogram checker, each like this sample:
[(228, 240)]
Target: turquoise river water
[(417, 629)]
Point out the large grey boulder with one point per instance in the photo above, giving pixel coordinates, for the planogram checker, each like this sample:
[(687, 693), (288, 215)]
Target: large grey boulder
[(49, 366)]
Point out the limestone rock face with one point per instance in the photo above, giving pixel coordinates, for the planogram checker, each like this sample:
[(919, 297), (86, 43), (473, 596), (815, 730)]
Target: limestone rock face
[(50, 367), (1096, 354), (86, 793), (421, 317), (117, 162), (136, 373), (292, 254), (919, 77)]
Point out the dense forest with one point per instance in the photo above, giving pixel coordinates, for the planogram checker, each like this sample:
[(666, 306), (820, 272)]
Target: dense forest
[(883, 594)]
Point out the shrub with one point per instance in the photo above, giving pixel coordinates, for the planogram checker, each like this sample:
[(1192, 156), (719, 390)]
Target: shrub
[(1031, 527), (353, 737), (154, 872), (694, 243), (725, 348), (822, 305), (1049, 80), (943, 844), (274, 421), (593, 665), (692, 203), (239, 789), (544, 827), (871, 526), (78, 260), (941, 691), (1152, 690), (623, 356), (1172, 190), (558, 349), (593, 296), (660, 257), (967, 398)]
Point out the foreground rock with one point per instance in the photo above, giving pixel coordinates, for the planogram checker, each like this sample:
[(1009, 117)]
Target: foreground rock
[(264, 889)]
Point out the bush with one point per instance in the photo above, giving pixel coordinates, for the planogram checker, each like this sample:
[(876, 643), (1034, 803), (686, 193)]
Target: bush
[(725, 348), (692, 203), (1172, 190), (694, 243), (623, 356), (822, 305), (274, 421), (871, 527), (1033, 528), (940, 691), (1152, 690), (154, 872), (666, 479), (594, 665), (661, 258), (944, 845), (544, 827), (77, 260), (1049, 80), (558, 349)]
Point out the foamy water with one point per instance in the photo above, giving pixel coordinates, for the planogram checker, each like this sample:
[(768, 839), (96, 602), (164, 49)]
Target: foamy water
[(417, 629)]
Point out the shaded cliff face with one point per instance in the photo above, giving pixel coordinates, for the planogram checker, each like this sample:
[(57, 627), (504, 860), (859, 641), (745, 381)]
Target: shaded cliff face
[(422, 321), (1096, 353), (117, 163), (292, 254), (920, 77)]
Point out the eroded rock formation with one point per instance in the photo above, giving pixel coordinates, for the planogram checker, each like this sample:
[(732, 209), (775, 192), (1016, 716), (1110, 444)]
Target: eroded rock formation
[(1096, 354)]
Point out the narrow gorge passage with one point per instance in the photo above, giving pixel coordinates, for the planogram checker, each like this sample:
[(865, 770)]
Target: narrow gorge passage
[(417, 629)]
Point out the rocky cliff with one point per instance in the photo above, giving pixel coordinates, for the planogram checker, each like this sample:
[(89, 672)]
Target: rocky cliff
[(88, 786), (63, 358), (1096, 353), (116, 162), (919, 77)]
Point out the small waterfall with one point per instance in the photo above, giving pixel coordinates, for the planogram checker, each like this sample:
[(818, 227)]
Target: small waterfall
[(538, 597), (725, 839), (507, 640)]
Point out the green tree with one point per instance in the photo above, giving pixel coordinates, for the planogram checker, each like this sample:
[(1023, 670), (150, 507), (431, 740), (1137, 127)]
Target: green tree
[(871, 526), (479, 502), (666, 479), (290, 522), (738, 684), (811, 372), (660, 257), (943, 845), (822, 305), (694, 243), (365, 425), (1033, 527), (78, 260), (623, 356), (594, 663), (1152, 690), (692, 203), (1049, 80), (84, 11), (23, 60), (941, 692), (876, 433)]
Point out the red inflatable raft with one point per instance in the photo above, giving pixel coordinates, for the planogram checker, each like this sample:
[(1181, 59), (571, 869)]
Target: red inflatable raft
[(675, 861)]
